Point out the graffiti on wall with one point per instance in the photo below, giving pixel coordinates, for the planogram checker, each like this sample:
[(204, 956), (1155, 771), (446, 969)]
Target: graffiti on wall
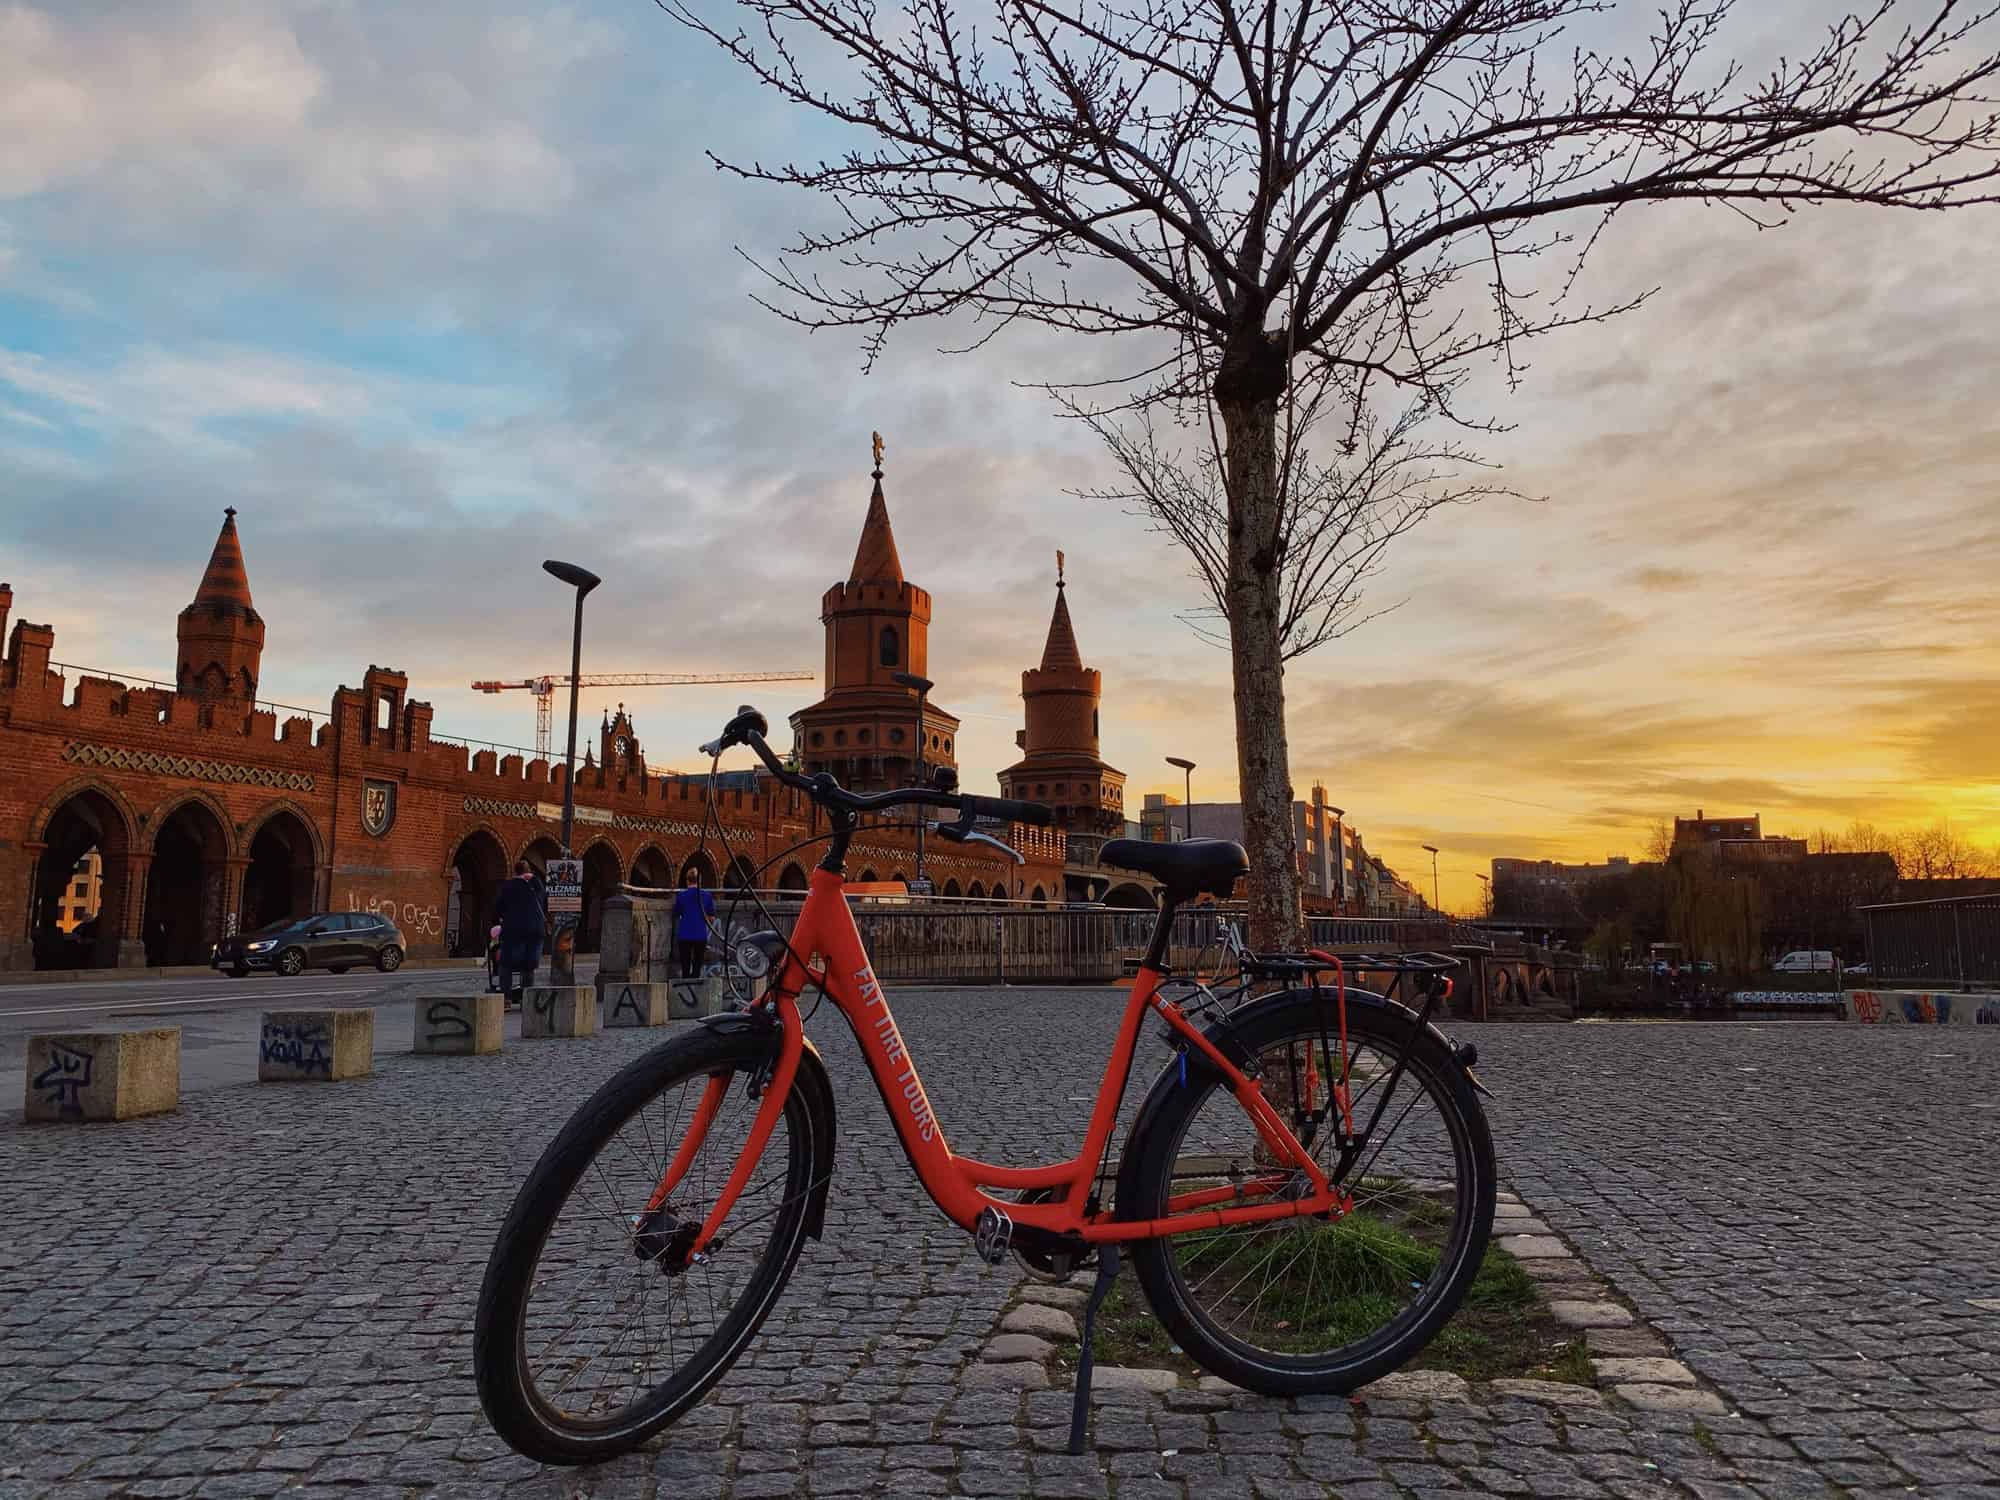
[(415, 919), (1921, 1008)]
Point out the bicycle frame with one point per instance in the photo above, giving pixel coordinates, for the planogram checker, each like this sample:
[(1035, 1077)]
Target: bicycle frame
[(958, 1184)]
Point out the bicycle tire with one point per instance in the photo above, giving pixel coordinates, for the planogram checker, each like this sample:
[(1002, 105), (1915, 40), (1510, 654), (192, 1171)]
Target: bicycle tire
[(519, 1413), (1289, 1018)]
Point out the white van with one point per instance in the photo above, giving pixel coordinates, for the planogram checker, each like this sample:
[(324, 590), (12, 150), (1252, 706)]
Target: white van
[(1805, 961)]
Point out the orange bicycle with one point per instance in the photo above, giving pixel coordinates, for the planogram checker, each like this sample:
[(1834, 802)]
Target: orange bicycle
[(1307, 1189)]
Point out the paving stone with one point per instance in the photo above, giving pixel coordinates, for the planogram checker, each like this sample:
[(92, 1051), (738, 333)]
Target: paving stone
[(1670, 1398), (1417, 1385), (1643, 1371), (1589, 1314), (1048, 1322), (1020, 1376), (1554, 1392), (1071, 1297), (1534, 1247), (1118, 1382), (1003, 1347), (1632, 1343), (171, 1298)]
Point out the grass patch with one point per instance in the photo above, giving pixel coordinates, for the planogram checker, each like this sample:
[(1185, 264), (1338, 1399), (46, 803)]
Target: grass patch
[(1503, 1328)]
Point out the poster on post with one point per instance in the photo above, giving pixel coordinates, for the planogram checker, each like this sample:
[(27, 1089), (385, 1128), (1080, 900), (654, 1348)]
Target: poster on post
[(563, 883)]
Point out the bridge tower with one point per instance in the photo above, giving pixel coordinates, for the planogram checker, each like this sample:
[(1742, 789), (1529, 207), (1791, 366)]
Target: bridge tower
[(1062, 764), (877, 625), (221, 635)]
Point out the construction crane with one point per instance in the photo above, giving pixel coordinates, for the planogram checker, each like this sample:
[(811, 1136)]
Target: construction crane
[(544, 688)]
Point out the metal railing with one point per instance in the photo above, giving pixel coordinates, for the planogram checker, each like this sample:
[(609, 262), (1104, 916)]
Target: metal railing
[(1955, 941)]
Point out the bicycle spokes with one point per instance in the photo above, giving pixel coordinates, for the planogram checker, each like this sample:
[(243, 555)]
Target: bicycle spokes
[(1305, 1285), (619, 1301)]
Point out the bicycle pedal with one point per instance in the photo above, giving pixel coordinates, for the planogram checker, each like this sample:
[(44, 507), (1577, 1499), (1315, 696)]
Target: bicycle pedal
[(992, 1235)]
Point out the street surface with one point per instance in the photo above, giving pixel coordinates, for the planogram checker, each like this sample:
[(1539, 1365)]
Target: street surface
[(272, 1291)]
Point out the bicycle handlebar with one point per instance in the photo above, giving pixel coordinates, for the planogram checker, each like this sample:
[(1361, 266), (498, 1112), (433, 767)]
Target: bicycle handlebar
[(749, 728)]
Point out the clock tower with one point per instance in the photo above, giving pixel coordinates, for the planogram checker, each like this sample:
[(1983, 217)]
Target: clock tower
[(618, 749)]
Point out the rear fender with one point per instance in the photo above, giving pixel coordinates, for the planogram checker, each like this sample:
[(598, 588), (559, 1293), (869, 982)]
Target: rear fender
[(815, 1087)]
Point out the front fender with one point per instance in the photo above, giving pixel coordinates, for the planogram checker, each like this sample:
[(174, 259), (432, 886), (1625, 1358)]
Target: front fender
[(815, 1087)]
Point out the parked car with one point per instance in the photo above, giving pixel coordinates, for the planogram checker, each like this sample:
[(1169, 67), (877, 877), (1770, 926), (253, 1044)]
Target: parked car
[(335, 940), (1862, 969), (1805, 961)]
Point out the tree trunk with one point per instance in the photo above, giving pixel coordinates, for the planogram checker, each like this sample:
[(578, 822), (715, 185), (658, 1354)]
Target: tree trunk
[(1248, 390)]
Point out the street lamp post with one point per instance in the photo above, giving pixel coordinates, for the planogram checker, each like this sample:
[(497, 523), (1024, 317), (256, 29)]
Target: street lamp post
[(562, 951), (1187, 798), (921, 686), (583, 581), (1433, 850)]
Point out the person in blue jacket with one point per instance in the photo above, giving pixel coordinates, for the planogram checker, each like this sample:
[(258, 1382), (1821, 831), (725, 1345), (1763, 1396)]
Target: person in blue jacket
[(693, 907), (523, 920)]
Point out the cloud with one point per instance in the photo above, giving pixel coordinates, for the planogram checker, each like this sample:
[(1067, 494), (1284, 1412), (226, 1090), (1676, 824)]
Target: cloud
[(1654, 580), (433, 292)]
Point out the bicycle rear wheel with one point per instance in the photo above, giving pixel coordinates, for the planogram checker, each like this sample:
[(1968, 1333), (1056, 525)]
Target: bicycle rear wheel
[(1296, 1306), (594, 1330)]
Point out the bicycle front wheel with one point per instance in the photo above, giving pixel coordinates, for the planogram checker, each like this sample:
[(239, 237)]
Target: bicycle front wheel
[(595, 1329), (1320, 1305)]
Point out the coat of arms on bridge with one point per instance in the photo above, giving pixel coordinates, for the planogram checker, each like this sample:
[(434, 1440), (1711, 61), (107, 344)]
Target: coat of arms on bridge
[(378, 806)]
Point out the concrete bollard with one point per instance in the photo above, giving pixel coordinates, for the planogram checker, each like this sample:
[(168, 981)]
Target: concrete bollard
[(623, 1004), (566, 1010), (694, 998), (458, 1025), (104, 1075), (316, 1046)]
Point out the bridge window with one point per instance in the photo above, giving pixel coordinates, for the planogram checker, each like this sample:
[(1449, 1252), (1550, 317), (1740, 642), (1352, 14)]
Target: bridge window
[(890, 647)]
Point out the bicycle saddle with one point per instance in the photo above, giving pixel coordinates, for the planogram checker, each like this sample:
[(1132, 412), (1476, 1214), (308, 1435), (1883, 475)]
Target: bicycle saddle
[(1186, 869)]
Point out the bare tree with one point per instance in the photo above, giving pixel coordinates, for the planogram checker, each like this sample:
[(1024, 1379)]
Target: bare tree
[(1941, 852), (1337, 519), (1256, 189)]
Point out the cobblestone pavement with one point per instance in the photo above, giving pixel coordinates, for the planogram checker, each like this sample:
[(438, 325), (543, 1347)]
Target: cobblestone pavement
[(271, 1292)]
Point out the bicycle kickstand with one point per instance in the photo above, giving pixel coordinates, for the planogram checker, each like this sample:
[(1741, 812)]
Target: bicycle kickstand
[(1079, 1417)]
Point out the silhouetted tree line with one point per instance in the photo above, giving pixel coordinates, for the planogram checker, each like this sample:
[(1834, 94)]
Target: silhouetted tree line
[(1740, 915)]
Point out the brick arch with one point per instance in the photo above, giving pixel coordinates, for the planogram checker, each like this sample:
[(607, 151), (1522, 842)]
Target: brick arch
[(52, 804), (272, 888), (598, 883), (188, 893), (665, 864), (255, 825), (456, 841), (552, 851), (106, 934), (232, 846)]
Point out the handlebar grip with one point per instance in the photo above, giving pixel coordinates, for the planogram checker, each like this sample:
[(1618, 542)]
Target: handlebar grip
[(1006, 809)]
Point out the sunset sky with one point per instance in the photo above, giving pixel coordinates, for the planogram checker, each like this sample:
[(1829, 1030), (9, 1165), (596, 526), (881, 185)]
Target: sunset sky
[(431, 292)]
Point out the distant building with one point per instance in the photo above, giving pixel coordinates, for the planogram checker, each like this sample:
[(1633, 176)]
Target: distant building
[(80, 900), (1547, 890), (1548, 874), (1702, 829), (1332, 859)]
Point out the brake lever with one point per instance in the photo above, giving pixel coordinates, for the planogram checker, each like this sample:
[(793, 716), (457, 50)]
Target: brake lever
[(712, 749), (958, 833)]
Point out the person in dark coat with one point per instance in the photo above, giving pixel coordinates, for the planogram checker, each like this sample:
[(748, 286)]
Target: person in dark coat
[(523, 920), (693, 907)]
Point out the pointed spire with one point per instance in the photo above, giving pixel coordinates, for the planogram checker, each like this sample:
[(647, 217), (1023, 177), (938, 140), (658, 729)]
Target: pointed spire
[(875, 560), (225, 581), (1061, 654)]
